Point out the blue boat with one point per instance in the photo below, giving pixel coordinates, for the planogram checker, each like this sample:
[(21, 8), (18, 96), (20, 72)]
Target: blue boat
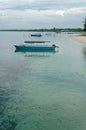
[(36, 35), (35, 48)]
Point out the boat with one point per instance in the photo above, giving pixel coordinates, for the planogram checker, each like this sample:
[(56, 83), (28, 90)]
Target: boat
[(35, 48), (36, 41), (36, 35)]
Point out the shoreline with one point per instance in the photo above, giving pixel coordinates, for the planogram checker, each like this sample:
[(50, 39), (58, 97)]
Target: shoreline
[(81, 38)]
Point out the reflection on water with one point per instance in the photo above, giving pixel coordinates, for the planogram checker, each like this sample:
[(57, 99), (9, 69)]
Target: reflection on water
[(84, 55), (38, 54), (84, 51)]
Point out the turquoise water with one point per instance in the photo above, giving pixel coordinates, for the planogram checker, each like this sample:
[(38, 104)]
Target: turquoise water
[(42, 91)]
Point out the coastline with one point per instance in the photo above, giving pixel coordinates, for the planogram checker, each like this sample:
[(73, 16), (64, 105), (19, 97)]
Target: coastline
[(80, 38)]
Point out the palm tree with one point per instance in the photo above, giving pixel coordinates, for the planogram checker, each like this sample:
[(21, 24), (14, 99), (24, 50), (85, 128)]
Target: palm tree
[(84, 25)]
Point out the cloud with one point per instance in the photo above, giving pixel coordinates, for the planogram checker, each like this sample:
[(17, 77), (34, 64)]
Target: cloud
[(41, 13), (39, 4), (42, 18)]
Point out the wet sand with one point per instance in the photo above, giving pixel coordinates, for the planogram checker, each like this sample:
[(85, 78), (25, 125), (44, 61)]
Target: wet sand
[(79, 38)]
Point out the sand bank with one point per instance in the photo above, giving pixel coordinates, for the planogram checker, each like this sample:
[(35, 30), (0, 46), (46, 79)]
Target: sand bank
[(79, 38)]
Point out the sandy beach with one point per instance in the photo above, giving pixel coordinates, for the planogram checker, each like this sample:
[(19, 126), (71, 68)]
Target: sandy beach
[(79, 38)]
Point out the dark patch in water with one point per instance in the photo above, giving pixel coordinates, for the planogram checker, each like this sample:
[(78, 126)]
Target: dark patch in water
[(8, 124), (4, 97), (2, 107)]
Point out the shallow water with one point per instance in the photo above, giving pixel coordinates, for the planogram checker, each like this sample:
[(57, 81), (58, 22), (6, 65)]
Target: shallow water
[(42, 91)]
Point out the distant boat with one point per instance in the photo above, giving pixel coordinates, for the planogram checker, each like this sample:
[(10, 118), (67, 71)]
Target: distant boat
[(36, 41), (35, 48), (36, 35)]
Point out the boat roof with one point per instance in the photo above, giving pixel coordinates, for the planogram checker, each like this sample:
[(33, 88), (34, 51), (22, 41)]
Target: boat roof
[(35, 41)]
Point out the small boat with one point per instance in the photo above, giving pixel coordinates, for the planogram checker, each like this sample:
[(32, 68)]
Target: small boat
[(36, 35), (36, 41), (35, 48)]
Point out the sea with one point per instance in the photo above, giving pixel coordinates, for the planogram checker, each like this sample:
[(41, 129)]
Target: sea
[(42, 90)]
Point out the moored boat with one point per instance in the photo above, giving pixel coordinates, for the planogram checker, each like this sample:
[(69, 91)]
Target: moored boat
[(36, 35), (35, 48)]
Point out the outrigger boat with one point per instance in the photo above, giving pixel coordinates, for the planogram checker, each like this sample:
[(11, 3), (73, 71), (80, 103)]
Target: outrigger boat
[(36, 35), (36, 48)]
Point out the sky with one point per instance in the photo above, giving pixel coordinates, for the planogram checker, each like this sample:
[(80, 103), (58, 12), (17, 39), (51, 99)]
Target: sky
[(30, 14)]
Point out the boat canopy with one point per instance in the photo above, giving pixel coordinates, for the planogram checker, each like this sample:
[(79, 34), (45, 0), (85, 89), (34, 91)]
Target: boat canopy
[(35, 41)]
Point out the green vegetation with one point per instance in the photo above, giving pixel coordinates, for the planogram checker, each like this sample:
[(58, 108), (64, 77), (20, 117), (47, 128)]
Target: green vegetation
[(47, 30)]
